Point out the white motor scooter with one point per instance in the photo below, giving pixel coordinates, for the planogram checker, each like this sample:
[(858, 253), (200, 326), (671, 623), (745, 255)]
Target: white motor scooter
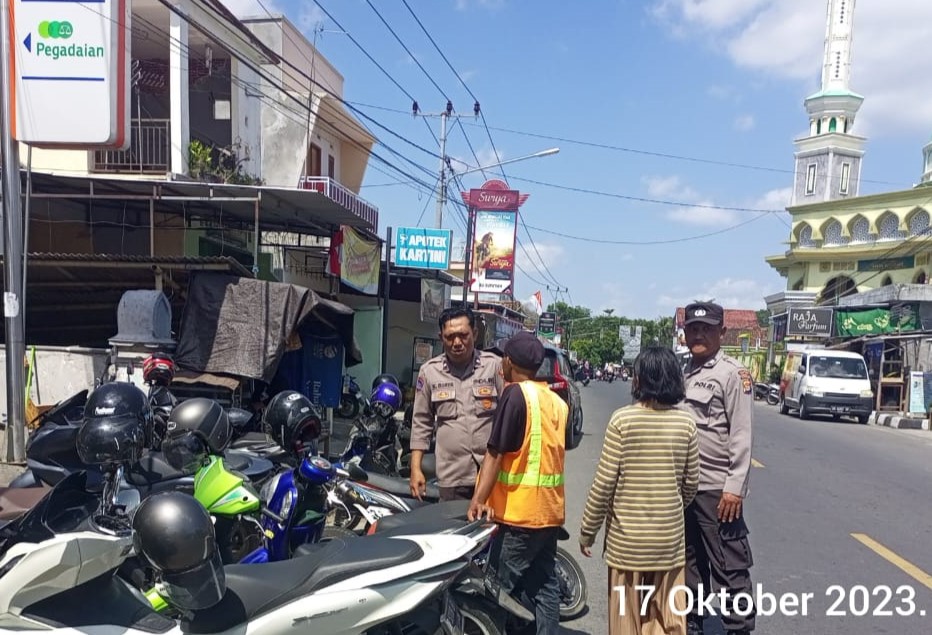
[(59, 562)]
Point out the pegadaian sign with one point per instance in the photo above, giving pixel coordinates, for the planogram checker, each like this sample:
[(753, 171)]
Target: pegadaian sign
[(70, 67), (810, 322)]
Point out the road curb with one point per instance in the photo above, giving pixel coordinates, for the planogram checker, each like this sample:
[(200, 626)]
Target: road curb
[(898, 421)]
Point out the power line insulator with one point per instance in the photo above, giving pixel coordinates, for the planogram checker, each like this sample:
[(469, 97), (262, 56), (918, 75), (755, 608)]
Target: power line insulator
[(449, 108), (415, 109), (475, 109)]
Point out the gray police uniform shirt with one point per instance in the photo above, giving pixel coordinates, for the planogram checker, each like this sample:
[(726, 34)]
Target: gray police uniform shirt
[(461, 410), (720, 399)]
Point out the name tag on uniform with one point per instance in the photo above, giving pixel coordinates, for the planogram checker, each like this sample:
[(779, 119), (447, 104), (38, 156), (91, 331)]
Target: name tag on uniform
[(442, 394)]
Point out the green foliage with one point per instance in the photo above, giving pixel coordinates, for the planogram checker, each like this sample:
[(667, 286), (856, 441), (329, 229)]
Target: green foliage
[(595, 337), (211, 164), (763, 317)]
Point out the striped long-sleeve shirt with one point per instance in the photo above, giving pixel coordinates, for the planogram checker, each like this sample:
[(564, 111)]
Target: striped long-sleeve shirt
[(647, 474)]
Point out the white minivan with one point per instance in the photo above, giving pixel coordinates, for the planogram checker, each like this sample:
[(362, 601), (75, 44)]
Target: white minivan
[(826, 382)]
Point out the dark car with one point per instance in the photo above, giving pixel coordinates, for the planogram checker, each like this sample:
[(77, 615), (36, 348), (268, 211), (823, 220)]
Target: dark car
[(558, 373)]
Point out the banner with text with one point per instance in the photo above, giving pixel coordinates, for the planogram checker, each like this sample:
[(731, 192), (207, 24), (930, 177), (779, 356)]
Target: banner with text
[(493, 252), (421, 248), (434, 299), (359, 261), (856, 323)]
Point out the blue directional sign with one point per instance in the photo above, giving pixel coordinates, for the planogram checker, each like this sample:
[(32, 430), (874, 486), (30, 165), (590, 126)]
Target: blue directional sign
[(421, 248)]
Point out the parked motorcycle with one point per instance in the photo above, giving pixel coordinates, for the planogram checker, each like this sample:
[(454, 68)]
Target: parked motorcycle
[(352, 401), (60, 560), (768, 392), (367, 503)]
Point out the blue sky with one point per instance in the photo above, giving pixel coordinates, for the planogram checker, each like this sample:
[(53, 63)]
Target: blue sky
[(719, 80)]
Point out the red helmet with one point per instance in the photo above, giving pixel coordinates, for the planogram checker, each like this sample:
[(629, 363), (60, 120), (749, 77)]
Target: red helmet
[(158, 369)]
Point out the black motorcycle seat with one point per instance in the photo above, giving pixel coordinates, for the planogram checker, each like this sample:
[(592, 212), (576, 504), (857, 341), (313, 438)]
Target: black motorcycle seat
[(438, 514), (429, 466), (250, 439), (399, 487), (152, 468), (256, 589)]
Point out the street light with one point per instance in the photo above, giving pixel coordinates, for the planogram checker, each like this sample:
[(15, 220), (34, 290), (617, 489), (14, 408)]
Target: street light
[(542, 153), (442, 199)]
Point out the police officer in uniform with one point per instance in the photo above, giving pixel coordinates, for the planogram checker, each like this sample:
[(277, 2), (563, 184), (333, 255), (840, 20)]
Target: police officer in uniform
[(719, 396), (456, 394)]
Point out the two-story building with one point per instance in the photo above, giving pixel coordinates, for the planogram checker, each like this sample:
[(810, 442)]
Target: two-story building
[(222, 161)]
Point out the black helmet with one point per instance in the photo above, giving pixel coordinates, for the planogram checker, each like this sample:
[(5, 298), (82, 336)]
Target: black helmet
[(292, 421), (117, 419), (175, 534), (196, 428), (384, 378)]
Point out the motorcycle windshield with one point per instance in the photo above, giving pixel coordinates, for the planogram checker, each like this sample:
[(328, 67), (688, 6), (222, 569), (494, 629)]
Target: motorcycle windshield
[(59, 413), (65, 509)]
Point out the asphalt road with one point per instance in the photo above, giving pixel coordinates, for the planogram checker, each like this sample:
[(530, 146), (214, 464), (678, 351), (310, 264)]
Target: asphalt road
[(837, 510)]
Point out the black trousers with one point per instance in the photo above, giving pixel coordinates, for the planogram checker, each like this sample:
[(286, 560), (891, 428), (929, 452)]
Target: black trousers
[(718, 556)]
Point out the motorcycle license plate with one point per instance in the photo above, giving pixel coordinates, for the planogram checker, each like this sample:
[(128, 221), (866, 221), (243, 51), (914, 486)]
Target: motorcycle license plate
[(451, 619)]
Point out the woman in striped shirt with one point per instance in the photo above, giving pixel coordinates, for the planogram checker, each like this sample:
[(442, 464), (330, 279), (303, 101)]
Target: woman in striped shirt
[(647, 474)]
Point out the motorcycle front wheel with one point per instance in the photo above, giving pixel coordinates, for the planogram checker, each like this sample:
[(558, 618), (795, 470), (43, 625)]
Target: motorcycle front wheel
[(573, 589), (349, 407), (477, 618)]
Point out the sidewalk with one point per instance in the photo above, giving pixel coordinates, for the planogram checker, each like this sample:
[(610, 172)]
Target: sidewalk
[(899, 421), (7, 472)]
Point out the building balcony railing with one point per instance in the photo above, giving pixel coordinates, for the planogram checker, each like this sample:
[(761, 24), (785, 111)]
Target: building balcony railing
[(148, 153), (342, 196)]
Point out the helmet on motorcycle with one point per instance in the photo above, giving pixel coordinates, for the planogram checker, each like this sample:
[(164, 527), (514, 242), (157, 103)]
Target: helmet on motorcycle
[(175, 534), (196, 428), (117, 419), (384, 378), (158, 369), (386, 399), (292, 421)]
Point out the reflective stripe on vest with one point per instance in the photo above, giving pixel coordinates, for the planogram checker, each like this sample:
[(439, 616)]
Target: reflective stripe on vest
[(532, 477)]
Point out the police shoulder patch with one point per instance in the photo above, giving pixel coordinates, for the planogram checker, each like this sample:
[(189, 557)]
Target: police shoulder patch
[(747, 383), (419, 385)]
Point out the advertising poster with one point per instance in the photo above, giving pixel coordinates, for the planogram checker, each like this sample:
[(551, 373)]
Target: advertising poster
[(493, 252), (433, 299), (358, 261)]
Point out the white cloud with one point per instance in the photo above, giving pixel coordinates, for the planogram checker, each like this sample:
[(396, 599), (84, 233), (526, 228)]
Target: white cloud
[(703, 216), (551, 254), (669, 187), (486, 156), (774, 199), (745, 123), (309, 18), (785, 39), (731, 293), (672, 188)]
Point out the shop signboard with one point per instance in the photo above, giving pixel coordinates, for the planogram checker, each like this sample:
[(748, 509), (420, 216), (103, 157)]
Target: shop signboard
[(879, 321), (423, 248), (809, 322)]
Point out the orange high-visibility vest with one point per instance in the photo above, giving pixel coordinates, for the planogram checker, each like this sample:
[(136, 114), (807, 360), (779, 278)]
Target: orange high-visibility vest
[(529, 489)]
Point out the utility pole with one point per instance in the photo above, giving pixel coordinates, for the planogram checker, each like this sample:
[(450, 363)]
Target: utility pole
[(444, 159), (14, 322)]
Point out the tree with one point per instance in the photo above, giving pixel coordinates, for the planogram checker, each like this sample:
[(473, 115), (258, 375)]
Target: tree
[(763, 317), (608, 312)]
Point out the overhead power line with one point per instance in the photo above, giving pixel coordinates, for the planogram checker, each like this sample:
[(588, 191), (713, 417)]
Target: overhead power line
[(604, 241)]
